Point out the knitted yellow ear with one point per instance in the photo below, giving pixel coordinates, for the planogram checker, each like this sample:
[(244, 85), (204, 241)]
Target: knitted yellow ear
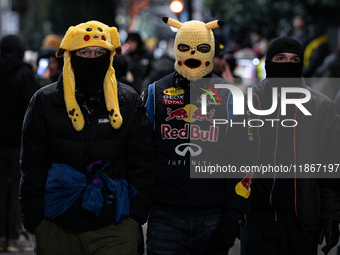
[(214, 24), (172, 22), (72, 107), (66, 41), (111, 96), (115, 40)]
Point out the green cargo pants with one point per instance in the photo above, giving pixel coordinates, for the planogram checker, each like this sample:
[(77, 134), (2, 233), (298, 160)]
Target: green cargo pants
[(117, 239)]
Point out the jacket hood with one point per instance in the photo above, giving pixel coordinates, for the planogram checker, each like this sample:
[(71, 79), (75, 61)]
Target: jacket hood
[(7, 68)]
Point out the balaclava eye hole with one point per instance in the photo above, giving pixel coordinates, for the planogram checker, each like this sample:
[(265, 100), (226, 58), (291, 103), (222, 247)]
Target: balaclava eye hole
[(183, 47), (204, 48)]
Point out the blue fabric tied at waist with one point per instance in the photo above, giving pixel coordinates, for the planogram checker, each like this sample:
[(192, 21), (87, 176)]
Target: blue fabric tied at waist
[(64, 184)]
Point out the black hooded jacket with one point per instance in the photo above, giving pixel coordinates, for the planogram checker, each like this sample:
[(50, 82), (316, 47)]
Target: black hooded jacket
[(309, 199)]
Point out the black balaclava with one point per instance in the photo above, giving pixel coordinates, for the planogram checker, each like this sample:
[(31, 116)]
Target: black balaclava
[(89, 73), (284, 70)]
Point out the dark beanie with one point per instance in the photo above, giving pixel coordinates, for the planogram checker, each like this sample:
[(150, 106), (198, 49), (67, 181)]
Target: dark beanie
[(284, 44), (133, 36), (12, 47)]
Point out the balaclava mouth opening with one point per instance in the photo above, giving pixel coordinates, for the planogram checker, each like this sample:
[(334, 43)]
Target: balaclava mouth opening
[(75, 70), (284, 70), (194, 47)]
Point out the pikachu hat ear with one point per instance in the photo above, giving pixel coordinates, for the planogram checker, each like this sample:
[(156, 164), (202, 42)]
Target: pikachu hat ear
[(214, 24), (66, 41), (115, 40), (172, 22)]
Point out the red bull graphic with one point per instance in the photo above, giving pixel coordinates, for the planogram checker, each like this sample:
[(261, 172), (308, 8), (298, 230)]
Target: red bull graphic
[(246, 181), (190, 113), (243, 187), (211, 135), (197, 115), (179, 114)]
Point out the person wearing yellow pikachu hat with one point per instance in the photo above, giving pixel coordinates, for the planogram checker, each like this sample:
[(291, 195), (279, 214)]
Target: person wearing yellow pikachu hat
[(193, 214), (87, 153)]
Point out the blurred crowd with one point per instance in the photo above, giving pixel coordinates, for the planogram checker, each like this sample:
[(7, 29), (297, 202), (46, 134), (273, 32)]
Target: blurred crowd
[(237, 60), (239, 56)]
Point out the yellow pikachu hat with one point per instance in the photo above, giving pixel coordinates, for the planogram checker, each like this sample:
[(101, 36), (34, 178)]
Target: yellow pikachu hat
[(92, 33), (194, 47)]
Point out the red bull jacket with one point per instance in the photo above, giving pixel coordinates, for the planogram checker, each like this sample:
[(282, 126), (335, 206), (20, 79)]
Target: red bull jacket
[(188, 142)]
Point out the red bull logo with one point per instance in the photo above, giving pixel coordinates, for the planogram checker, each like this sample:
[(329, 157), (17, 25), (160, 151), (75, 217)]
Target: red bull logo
[(179, 114), (196, 133), (190, 113)]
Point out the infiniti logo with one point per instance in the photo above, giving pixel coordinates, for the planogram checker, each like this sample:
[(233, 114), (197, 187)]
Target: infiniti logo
[(183, 148)]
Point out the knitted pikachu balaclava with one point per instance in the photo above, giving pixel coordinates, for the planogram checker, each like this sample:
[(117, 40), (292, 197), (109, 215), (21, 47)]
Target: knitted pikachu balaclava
[(92, 33), (194, 47)]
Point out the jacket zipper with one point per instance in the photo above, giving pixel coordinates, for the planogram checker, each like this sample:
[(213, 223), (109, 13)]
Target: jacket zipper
[(87, 134), (275, 150)]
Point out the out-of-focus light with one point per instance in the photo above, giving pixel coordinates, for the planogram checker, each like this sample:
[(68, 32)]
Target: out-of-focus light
[(176, 6), (126, 46), (173, 29), (256, 61)]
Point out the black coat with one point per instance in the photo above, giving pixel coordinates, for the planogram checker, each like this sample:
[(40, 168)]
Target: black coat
[(48, 136), (314, 198), (17, 86)]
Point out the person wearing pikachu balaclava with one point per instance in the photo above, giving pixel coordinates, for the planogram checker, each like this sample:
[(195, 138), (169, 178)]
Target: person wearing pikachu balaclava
[(188, 215), (86, 140)]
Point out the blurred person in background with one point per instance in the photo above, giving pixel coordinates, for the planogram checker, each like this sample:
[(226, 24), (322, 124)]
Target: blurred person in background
[(139, 59), (122, 73), (316, 50), (48, 66), (162, 65), (300, 31), (17, 86)]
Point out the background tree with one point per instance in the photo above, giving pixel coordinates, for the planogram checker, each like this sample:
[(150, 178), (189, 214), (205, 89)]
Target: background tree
[(254, 15)]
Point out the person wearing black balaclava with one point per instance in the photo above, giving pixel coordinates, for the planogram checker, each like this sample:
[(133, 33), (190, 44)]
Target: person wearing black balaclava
[(87, 153), (291, 215)]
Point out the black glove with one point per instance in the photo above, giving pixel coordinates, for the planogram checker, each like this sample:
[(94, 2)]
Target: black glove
[(329, 230), (223, 236)]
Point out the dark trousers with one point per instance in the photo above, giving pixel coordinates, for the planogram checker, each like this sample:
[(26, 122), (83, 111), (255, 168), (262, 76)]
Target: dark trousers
[(170, 234), (117, 239), (266, 237), (10, 216)]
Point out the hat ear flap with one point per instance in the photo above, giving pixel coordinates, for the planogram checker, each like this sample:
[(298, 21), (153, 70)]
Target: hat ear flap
[(66, 41), (115, 40)]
